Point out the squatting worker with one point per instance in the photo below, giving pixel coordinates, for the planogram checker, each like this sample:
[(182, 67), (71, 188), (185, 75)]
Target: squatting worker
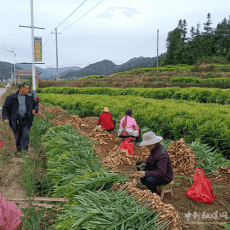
[(129, 127), (106, 120), (18, 111), (157, 169)]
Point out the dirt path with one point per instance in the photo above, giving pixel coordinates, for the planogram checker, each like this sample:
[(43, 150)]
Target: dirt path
[(9, 174)]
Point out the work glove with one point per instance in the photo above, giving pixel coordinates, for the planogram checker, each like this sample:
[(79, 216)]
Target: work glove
[(142, 174), (6, 121)]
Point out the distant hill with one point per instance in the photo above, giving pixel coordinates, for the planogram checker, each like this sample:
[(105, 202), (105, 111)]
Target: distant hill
[(48, 72), (5, 69), (107, 67), (53, 71), (60, 75)]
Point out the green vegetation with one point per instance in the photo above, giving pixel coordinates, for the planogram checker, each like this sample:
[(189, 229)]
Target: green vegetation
[(150, 78), (214, 41), (3, 84), (107, 210), (173, 119), (180, 67), (198, 80), (201, 95), (78, 176)]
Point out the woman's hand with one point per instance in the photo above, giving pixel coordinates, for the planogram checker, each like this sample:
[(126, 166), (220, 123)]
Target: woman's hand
[(33, 111), (142, 174)]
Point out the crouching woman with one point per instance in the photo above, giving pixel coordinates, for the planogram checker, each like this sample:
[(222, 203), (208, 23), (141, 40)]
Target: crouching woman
[(106, 120), (129, 127), (157, 169)]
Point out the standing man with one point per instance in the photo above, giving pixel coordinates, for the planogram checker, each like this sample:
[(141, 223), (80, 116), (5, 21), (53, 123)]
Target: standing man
[(18, 111)]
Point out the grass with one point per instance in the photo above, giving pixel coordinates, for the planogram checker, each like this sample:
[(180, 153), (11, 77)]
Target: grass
[(3, 84), (34, 179)]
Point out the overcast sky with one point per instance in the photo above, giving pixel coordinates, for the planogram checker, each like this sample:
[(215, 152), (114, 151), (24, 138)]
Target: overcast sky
[(117, 30)]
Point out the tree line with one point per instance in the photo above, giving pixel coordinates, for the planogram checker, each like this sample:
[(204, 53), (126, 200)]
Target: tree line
[(183, 50)]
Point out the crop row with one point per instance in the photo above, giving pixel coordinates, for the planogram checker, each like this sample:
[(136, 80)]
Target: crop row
[(199, 80), (178, 67), (77, 175), (201, 95), (210, 124)]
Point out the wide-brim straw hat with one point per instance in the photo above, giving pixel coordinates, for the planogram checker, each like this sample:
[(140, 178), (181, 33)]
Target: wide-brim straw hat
[(106, 109), (150, 138)]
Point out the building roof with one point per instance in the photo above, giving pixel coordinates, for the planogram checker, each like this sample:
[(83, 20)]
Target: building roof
[(26, 72)]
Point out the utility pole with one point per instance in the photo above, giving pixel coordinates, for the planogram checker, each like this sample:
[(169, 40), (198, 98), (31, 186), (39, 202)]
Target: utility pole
[(157, 47), (56, 52), (14, 64), (33, 56)]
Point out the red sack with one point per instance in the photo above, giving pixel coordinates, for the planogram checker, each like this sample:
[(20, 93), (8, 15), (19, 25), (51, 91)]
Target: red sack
[(126, 145), (201, 189)]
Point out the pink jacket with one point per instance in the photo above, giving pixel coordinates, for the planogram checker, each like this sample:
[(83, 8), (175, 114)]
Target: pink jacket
[(131, 124)]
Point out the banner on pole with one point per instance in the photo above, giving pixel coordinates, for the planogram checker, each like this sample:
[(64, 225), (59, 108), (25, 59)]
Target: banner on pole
[(38, 49)]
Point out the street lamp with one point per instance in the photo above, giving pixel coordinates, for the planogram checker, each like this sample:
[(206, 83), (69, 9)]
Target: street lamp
[(14, 65)]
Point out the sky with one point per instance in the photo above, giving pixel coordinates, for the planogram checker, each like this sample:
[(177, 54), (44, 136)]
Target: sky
[(116, 30)]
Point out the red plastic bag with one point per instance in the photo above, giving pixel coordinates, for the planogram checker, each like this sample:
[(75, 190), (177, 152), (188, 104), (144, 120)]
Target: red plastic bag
[(9, 215), (37, 99), (126, 145), (201, 189)]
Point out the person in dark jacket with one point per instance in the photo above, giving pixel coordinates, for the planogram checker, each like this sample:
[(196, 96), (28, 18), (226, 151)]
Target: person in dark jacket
[(106, 120), (18, 111), (157, 169)]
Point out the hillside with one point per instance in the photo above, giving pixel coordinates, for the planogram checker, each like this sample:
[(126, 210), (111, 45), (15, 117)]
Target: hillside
[(5, 69), (53, 71), (107, 67), (49, 73), (150, 78), (60, 75)]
